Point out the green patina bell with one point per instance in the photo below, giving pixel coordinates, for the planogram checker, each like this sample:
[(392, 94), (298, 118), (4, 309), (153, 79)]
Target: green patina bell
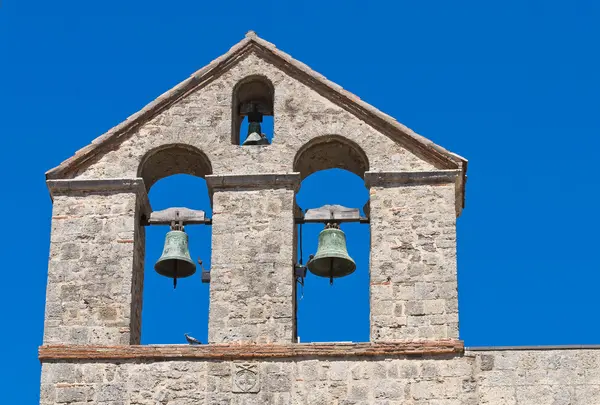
[(175, 261), (255, 135), (332, 259)]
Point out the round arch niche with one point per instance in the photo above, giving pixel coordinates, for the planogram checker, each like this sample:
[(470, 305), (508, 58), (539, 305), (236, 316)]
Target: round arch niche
[(173, 159), (325, 164), (331, 152), (251, 89), (174, 176)]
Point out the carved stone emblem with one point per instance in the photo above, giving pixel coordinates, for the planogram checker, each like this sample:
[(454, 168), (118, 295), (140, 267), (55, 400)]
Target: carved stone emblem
[(245, 378)]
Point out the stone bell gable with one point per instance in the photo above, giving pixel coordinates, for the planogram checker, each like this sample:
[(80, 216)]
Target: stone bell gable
[(308, 110), (91, 351), (417, 189)]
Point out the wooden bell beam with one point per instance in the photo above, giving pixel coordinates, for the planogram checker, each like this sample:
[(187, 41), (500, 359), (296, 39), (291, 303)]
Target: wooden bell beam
[(324, 214), (185, 216), (332, 213)]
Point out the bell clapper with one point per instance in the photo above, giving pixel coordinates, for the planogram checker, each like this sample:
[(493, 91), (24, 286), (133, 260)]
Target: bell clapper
[(331, 272), (176, 226), (175, 275)]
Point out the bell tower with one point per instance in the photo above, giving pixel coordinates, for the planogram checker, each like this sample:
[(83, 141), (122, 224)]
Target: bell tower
[(101, 211)]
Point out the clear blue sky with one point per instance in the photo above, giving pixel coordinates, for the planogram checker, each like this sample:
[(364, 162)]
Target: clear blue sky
[(513, 86)]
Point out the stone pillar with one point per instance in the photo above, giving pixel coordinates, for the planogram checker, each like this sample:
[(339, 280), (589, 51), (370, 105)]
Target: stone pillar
[(413, 255), (95, 271), (252, 284)]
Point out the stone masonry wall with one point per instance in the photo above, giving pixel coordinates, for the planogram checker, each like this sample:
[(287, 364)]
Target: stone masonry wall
[(520, 377), (203, 120), (88, 298), (95, 273), (413, 263), (95, 279), (252, 254), (538, 377), (312, 381), (251, 289)]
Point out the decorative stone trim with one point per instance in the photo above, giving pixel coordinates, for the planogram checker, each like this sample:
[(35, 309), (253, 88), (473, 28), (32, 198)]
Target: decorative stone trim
[(397, 179), (292, 67), (529, 348), (252, 181), (95, 186), (250, 351), (246, 378), (387, 179), (391, 179)]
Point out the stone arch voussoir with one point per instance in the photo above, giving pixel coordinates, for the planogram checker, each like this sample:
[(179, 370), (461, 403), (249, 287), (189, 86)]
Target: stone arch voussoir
[(330, 152), (167, 160)]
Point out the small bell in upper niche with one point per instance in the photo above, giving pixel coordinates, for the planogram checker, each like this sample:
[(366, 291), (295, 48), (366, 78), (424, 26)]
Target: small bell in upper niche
[(255, 135)]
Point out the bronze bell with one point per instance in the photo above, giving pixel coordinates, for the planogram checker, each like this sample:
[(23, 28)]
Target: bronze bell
[(332, 259), (255, 135), (175, 261)]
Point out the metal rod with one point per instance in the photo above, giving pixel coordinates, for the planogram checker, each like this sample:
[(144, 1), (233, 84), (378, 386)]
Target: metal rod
[(330, 271), (144, 222), (362, 220), (175, 275), (300, 243), (209, 222)]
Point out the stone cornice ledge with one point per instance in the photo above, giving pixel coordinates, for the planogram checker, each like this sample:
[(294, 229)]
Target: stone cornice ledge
[(250, 351), (97, 186), (253, 181), (57, 187), (392, 179)]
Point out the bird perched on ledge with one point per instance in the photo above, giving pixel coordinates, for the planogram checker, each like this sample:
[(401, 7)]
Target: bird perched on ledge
[(192, 340)]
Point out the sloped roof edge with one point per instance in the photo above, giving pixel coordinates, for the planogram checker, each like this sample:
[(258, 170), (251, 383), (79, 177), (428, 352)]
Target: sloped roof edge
[(385, 123)]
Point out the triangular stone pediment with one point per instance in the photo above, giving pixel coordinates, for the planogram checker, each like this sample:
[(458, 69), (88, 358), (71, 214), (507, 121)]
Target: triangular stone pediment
[(425, 149)]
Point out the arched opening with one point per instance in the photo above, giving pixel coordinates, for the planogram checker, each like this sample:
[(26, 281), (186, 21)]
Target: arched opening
[(332, 169), (328, 152), (173, 159), (174, 175), (252, 115)]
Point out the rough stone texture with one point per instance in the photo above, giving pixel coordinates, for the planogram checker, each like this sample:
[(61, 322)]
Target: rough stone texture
[(95, 274), (540, 377), (413, 263), (203, 120), (252, 284), (519, 377), (96, 263), (316, 382)]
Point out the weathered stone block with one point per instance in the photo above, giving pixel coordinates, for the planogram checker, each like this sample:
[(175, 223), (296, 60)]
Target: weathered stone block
[(423, 276), (262, 282)]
